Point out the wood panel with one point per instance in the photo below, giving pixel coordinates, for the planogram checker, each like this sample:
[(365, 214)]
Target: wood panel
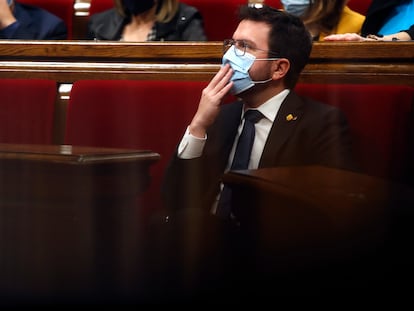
[(68, 61)]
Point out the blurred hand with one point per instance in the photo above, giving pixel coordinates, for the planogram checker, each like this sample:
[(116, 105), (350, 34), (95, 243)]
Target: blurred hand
[(346, 37)]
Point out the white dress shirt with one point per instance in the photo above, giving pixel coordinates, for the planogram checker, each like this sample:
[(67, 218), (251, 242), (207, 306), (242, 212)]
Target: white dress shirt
[(192, 147)]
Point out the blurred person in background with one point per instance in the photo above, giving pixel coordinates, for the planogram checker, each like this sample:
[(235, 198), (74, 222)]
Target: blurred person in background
[(147, 20), (325, 17), (26, 22)]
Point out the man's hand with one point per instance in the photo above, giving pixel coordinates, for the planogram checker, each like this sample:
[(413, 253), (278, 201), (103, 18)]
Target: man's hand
[(211, 99)]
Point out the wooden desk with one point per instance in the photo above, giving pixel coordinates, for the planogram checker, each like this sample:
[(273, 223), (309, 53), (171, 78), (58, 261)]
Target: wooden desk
[(70, 221), (317, 209)]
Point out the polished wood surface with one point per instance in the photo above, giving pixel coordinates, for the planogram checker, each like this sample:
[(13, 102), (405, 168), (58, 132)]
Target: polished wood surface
[(68, 61), (71, 222), (314, 205), (334, 231), (68, 172)]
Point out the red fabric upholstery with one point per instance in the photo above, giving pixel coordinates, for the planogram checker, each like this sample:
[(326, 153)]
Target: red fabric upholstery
[(379, 118), (360, 6), (274, 3), (27, 110), (61, 8), (100, 5), (220, 17), (146, 114)]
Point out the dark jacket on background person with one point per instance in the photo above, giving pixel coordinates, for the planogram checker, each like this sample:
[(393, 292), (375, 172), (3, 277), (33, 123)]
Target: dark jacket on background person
[(378, 13), (187, 25), (34, 23)]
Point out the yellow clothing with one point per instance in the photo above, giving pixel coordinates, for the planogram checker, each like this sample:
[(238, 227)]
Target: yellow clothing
[(350, 22)]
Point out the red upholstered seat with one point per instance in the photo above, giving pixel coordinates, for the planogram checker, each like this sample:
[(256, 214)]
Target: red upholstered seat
[(360, 6), (380, 120), (61, 8), (142, 114), (26, 111), (220, 17), (97, 6)]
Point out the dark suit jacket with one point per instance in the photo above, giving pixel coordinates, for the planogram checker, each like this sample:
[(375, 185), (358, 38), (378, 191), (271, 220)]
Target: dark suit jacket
[(36, 24), (377, 13), (187, 25), (319, 135)]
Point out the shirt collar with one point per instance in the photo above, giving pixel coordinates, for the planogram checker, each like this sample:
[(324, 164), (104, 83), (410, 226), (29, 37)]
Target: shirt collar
[(271, 107)]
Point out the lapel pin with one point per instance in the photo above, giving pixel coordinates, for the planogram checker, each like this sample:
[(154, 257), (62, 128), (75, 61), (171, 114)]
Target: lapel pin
[(290, 117)]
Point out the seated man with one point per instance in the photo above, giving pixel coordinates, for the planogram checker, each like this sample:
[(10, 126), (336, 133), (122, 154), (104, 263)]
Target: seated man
[(20, 21), (262, 64)]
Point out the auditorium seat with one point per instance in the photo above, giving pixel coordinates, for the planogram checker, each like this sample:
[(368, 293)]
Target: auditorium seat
[(61, 8), (380, 118), (274, 3), (137, 114), (98, 6), (360, 6), (220, 17), (27, 110)]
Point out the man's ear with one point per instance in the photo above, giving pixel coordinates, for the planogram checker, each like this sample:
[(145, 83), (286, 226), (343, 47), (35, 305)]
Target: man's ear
[(281, 67)]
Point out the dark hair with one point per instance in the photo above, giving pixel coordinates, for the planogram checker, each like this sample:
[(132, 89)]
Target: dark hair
[(288, 37)]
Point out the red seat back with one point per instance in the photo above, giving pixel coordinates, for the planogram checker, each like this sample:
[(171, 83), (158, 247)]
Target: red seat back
[(61, 8), (97, 6), (379, 119), (27, 110), (143, 114), (220, 17), (274, 3), (360, 6)]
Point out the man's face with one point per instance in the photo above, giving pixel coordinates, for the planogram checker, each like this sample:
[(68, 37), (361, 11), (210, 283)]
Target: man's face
[(256, 34)]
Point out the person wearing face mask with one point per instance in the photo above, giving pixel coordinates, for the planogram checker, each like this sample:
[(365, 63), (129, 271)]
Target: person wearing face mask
[(147, 20), (325, 17), (26, 22), (260, 66)]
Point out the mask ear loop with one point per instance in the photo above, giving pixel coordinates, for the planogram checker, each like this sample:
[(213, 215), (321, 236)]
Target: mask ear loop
[(267, 80)]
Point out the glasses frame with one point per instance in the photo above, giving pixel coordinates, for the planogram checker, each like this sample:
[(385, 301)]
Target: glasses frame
[(240, 47)]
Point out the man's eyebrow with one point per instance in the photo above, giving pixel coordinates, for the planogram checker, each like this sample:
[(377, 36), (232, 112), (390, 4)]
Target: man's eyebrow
[(249, 42)]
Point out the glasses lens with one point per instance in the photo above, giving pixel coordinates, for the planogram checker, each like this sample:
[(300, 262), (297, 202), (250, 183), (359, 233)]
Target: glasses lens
[(227, 45), (240, 47)]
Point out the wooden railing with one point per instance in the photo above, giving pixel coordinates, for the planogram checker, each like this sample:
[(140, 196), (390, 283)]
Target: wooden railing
[(68, 61)]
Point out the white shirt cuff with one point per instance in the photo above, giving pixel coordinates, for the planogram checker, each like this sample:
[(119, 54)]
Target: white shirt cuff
[(190, 146)]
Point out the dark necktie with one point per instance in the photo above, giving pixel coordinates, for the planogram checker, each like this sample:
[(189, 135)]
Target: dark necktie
[(241, 158)]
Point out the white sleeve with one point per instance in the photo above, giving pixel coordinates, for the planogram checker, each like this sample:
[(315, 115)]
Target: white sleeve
[(190, 146)]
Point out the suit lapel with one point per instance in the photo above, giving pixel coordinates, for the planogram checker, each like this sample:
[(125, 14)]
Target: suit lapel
[(287, 119)]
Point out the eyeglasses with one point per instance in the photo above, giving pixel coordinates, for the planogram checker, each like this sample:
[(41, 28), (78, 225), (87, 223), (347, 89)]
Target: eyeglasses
[(241, 46)]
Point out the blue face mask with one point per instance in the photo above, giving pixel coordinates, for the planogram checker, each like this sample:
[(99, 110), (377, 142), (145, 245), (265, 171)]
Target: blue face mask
[(241, 65), (297, 7)]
